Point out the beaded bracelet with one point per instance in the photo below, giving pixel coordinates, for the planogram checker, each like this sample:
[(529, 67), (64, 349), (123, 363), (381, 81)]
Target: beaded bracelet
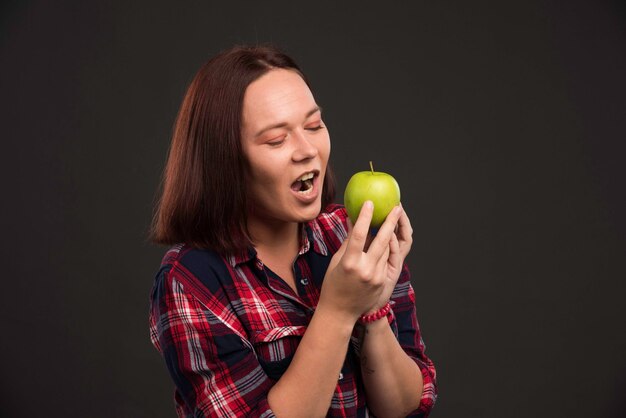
[(375, 316)]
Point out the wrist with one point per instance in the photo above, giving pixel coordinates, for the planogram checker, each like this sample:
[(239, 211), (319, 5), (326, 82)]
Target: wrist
[(336, 314), (377, 315)]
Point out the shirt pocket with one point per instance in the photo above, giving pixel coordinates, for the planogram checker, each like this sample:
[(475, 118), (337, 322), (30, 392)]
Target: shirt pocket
[(276, 347)]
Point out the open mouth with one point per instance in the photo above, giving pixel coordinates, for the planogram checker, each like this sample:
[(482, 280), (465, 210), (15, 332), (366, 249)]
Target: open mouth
[(304, 185)]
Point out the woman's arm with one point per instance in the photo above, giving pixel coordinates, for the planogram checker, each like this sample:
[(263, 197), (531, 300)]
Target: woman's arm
[(398, 376), (307, 386), (393, 381), (380, 356)]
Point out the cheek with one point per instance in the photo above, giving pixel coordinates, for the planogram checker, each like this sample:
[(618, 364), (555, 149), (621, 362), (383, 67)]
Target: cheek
[(265, 170), (324, 149)]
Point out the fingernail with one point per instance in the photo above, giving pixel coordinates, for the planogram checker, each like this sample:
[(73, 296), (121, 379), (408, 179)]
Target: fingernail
[(368, 204)]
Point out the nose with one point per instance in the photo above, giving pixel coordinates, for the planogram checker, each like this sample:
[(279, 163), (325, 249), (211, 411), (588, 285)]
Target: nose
[(305, 149)]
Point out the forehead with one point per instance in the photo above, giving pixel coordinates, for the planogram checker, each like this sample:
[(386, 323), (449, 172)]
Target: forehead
[(276, 97)]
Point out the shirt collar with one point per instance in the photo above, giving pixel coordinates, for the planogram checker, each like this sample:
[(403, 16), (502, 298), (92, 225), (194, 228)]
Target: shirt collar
[(242, 256), (314, 234), (311, 233)]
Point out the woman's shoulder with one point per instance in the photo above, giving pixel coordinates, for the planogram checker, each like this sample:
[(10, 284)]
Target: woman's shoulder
[(194, 265), (188, 256)]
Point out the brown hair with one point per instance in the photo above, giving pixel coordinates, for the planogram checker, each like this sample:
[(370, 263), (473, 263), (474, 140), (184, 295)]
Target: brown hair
[(203, 199)]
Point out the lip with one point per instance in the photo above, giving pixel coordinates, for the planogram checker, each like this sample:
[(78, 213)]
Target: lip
[(315, 173), (311, 197)]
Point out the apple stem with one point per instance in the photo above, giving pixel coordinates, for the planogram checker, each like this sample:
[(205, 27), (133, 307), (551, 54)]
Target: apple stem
[(372, 167)]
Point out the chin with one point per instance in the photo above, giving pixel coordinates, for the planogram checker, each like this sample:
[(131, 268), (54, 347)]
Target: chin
[(310, 213)]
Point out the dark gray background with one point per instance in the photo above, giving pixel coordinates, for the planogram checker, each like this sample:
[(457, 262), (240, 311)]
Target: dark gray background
[(503, 122)]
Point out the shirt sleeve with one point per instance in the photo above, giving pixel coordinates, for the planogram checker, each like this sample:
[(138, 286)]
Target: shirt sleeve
[(408, 332), (215, 370)]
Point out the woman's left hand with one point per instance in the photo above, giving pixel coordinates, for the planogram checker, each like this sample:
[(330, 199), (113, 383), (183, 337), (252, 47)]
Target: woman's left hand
[(399, 247)]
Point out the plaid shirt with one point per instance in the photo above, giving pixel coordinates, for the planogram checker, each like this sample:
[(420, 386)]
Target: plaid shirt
[(228, 327)]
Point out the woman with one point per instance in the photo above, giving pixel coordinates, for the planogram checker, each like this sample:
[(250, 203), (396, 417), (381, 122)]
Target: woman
[(270, 303)]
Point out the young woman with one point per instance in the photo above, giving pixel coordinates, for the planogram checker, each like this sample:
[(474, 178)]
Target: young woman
[(270, 303)]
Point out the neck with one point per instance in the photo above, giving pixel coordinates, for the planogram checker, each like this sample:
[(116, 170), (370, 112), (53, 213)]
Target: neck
[(275, 237)]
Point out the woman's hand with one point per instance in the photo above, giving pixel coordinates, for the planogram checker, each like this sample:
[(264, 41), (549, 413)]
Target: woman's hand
[(360, 276), (399, 248)]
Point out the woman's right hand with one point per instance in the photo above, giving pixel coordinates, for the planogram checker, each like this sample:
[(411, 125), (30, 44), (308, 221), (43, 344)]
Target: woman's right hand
[(357, 273)]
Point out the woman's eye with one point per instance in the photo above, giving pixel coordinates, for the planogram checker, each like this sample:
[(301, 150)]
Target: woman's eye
[(276, 142), (315, 128)]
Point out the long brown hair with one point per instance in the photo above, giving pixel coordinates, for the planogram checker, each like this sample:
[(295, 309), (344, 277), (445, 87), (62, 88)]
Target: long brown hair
[(203, 194)]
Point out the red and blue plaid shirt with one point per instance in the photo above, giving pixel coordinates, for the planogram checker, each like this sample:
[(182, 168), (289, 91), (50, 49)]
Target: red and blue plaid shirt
[(228, 327)]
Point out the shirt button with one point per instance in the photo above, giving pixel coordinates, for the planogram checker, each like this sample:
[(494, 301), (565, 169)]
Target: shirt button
[(340, 376), (304, 282)]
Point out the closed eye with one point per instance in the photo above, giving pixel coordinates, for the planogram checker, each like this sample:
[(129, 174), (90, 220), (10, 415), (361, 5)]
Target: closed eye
[(276, 143), (315, 128)]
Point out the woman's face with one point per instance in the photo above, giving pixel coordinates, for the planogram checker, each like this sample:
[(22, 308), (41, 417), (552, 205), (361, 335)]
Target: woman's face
[(287, 147)]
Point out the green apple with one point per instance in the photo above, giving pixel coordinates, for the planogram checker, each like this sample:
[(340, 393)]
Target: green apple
[(381, 188)]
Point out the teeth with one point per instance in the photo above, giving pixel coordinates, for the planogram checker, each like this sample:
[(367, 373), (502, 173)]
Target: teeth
[(306, 177)]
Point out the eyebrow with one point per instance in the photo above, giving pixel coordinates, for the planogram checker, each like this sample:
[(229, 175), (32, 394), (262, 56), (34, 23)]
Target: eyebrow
[(283, 124)]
